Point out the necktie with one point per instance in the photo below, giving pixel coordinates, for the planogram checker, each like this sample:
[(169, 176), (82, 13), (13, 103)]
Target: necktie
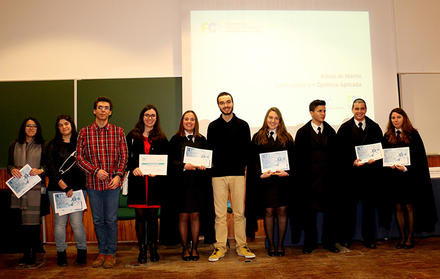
[(398, 132), (190, 137), (271, 136), (319, 131), (360, 125)]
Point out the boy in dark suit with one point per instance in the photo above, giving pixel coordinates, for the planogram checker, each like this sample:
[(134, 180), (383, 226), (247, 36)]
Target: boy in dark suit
[(359, 179), (315, 145)]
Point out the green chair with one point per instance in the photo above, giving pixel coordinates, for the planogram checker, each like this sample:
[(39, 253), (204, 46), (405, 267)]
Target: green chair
[(125, 212)]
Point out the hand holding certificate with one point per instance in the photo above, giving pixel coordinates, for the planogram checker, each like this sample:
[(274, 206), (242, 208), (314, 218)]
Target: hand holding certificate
[(198, 156), (153, 164), (65, 205), (396, 156), (369, 151), (20, 186), (274, 161)]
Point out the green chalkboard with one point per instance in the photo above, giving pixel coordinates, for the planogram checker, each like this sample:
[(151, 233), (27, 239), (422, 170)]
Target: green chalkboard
[(43, 100), (129, 96)]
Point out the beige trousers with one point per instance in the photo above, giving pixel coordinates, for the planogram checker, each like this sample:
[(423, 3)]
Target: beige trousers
[(222, 186)]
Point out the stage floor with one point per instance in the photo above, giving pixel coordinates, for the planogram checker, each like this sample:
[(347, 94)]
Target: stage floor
[(423, 261)]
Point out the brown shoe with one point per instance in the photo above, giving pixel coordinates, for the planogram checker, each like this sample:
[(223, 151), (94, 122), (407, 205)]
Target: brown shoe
[(110, 261), (99, 261)]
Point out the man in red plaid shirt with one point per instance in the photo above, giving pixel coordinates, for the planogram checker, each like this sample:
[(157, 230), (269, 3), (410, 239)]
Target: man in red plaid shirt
[(102, 154)]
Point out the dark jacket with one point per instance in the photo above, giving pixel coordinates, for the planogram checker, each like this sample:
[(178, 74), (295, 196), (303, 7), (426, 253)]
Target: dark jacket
[(315, 164), (60, 163), (418, 180), (176, 153), (138, 194), (358, 182)]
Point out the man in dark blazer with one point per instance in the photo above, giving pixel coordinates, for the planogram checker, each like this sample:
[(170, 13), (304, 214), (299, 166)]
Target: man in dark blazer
[(315, 155), (359, 180)]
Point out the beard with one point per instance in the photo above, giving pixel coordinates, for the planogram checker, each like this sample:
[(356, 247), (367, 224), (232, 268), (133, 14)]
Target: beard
[(228, 113)]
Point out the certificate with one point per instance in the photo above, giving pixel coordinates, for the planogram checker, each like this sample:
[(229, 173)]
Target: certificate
[(153, 164), (65, 205), (396, 156), (369, 151), (198, 156), (274, 161), (20, 186)]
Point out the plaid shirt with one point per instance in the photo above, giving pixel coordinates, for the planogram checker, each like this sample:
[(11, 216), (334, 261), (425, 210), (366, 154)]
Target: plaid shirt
[(101, 148)]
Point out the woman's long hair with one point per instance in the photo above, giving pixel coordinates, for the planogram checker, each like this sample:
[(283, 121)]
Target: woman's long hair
[(156, 133), (282, 134), (38, 138), (181, 131), (58, 136), (407, 128)]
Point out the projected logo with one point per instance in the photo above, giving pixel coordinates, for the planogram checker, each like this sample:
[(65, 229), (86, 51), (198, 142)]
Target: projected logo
[(209, 27)]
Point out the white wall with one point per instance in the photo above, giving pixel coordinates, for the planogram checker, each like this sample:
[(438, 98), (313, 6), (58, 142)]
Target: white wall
[(417, 35), (418, 47), (60, 39)]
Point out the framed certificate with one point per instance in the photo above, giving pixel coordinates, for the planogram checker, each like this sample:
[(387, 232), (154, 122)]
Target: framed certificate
[(198, 156), (153, 164), (396, 156), (20, 186), (273, 161), (369, 151)]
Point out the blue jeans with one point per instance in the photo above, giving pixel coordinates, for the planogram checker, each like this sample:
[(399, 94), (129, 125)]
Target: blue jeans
[(60, 223), (104, 205)]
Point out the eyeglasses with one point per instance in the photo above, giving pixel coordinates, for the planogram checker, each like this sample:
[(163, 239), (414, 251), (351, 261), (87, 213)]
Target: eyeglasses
[(149, 115), (30, 126)]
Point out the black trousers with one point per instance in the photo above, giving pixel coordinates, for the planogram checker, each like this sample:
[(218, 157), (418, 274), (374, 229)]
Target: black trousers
[(311, 228), (348, 217)]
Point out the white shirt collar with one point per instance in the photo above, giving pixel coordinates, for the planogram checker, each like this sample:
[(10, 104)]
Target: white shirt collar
[(315, 127), (274, 133), (188, 134), (363, 123)]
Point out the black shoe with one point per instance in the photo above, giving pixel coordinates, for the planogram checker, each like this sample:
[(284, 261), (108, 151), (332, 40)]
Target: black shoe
[(410, 245), (22, 261), (142, 258), (308, 250), (154, 256), (281, 253), (271, 253), (370, 245), (81, 256), (185, 251), (27, 258), (400, 244), (196, 257), (332, 248), (61, 258)]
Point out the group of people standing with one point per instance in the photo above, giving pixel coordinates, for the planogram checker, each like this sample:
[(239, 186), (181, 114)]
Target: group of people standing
[(324, 176)]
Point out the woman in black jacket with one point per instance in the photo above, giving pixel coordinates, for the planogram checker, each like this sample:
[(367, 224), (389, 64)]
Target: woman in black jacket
[(411, 189), (191, 182), (273, 186), (145, 191)]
